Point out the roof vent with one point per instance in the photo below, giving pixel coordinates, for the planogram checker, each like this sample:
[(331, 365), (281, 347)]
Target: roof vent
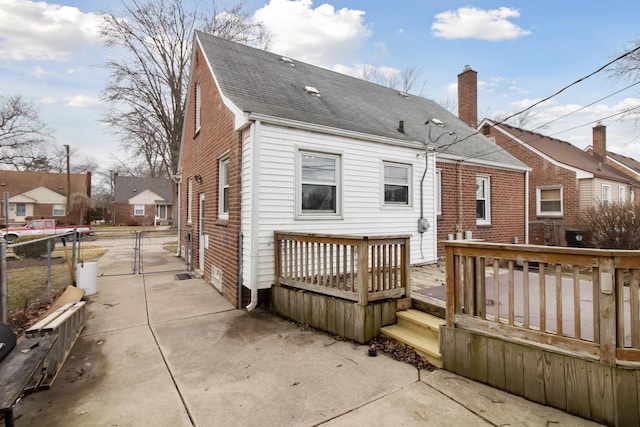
[(312, 90), (287, 60), (405, 95)]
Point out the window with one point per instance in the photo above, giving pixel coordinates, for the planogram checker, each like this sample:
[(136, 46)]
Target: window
[(482, 200), (59, 210), (549, 201), (138, 210), (189, 200), (21, 209), (198, 105), (622, 195), (396, 184), (223, 191), (606, 195), (438, 192), (319, 183)]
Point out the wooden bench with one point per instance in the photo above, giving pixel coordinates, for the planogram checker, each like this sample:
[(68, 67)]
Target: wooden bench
[(66, 322), (22, 371)]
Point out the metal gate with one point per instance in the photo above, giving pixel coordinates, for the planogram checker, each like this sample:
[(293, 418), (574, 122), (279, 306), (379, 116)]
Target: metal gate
[(137, 252)]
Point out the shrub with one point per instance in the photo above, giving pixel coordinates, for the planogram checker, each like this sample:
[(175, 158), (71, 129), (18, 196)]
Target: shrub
[(33, 249), (614, 226)]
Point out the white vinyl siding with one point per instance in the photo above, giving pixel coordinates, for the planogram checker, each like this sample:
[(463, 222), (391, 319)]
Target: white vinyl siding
[(438, 192), (360, 182)]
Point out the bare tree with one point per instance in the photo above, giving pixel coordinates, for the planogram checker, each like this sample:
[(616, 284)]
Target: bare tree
[(408, 77), (22, 133), (147, 88)]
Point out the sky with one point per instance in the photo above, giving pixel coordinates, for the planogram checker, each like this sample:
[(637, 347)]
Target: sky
[(523, 51)]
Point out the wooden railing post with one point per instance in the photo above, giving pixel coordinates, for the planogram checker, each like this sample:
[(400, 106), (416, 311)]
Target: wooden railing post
[(363, 269), (406, 266), (451, 289), (608, 316), (276, 255)]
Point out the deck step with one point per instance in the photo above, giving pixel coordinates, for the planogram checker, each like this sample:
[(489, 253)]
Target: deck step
[(420, 320), (420, 331)]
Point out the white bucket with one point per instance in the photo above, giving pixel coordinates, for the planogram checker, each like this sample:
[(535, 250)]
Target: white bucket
[(87, 277)]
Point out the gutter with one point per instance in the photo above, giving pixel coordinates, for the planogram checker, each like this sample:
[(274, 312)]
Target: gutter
[(255, 208)]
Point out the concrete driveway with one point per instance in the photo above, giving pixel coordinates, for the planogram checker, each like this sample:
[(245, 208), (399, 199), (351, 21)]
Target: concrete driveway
[(157, 351)]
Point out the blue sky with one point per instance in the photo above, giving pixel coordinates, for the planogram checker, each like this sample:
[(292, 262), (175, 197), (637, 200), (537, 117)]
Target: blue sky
[(523, 51)]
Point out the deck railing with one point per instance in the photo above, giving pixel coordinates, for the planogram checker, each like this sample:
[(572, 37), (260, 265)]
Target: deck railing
[(356, 268), (583, 301)]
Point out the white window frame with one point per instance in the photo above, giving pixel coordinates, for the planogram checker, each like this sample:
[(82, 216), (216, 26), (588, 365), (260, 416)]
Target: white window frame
[(58, 208), (189, 200), (606, 195), (408, 184), (486, 220), (223, 188), (138, 209), (539, 211), (337, 183), (622, 194), (198, 111), (438, 206)]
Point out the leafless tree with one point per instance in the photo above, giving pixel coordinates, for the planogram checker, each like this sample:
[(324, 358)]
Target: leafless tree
[(628, 69), (408, 77), (147, 88), (22, 132)]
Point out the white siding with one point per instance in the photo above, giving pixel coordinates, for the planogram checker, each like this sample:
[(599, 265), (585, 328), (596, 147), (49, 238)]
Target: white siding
[(363, 212)]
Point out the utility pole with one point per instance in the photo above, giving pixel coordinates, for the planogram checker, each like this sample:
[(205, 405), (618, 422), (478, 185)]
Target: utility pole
[(68, 186)]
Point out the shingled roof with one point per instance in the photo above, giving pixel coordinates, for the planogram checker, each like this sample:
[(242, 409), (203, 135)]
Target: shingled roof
[(264, 83), (566, 153), (125, 187)]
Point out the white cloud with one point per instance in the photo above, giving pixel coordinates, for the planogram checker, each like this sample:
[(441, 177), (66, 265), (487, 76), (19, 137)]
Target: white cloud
[(44, 31), (322, 36), (82, 101), (38, 72), (474, 23), (382, 49)]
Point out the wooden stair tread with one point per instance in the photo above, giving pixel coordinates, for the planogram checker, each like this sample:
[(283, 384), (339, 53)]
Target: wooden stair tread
[(422, 319), (422, 343)]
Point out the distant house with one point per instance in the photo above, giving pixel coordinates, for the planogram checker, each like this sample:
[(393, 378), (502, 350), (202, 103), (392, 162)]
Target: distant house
[(142, 201), (44, 195), (624, 164), (274, 144), (564, 180)]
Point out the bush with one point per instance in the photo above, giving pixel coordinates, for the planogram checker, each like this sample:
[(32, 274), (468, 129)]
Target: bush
[(33, 249), (614, 226)]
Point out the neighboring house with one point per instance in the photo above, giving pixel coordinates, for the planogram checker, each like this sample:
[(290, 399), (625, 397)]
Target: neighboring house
[(274, 144), (142, 201), (44, 195), (564, 180), (624, 164)]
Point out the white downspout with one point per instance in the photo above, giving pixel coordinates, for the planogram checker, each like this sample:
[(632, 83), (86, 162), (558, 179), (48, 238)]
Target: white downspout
[(255, 209), (526, 208)]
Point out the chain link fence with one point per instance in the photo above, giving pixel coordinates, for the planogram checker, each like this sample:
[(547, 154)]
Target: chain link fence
[(34, 271)]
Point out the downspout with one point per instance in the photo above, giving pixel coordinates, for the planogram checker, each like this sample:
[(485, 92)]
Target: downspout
[(526, 207), (255, 208)]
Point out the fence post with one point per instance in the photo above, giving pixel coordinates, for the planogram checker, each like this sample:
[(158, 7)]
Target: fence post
[(3, 280), (49, 268), (607, 313), (363, 269), (406, 266)]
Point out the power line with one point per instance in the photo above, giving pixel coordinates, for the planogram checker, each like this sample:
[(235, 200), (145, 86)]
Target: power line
[(600, 69)]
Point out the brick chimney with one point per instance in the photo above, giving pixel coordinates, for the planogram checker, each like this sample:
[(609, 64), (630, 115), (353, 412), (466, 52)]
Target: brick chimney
[(599, 137), (468, 96)]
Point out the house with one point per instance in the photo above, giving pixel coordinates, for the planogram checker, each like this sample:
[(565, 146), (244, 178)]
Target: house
[(564, 180), (274, 144), (624, 164), (142, 201), (44, 195)]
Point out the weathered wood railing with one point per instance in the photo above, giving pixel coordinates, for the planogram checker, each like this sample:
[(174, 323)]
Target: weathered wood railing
[(582, 300), (355, 268)]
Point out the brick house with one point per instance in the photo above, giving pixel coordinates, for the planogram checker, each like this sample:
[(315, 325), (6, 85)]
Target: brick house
[(626, 165), (142, 201), (44, 195), (274, 144), (563, 181)]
